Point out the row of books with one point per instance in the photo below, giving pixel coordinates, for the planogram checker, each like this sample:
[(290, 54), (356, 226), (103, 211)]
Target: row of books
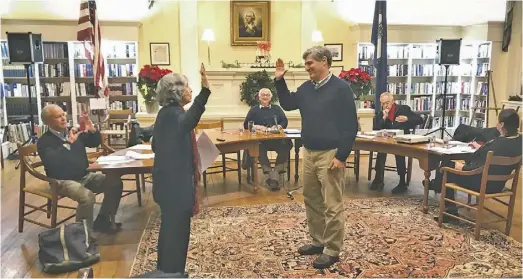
[(53, 70), (449, 121), (18, 90), (452, 87), (397, 88), (21, 132), (55, 89), (450, 103), (421, 104), (118, 70), (128, 88), (465, 104), (482, 69), (423, 70), (16, 71), (398, 70), (464, 120), (422, 88), (55, 50), (124, 105), (427, 52), (119, 50)]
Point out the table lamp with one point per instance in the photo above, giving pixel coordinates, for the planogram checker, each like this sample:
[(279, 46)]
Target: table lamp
[(208, 36), (317, 37)]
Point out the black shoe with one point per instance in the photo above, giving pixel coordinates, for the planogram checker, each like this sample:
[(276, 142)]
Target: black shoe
[(400, 189), (105, 225), (309, 249), (325, 261), (377, 185)]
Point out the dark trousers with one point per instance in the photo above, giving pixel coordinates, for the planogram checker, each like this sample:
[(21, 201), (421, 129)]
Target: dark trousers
[(380, 165), (173, 240), (471, 182), (281, 147)]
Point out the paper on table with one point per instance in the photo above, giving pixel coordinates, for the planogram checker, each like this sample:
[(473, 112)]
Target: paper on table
[(139, 156), (207, 150), (454, 150), (113, 159), (294, 136), (366, 136), (292, 131), (141, 147)]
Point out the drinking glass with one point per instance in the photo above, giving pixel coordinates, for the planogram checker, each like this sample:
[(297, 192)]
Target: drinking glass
[(251, 128), (446, 142), (432, 140), (241, 130)]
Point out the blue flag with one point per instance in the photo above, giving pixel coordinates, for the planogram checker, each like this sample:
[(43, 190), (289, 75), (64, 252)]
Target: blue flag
[(379, 40)]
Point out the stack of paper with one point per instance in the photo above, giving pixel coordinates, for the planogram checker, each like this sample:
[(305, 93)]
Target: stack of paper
[(139, 156), (207, 150), (454, 150), (113, 159), (292, 131), (141, 147)]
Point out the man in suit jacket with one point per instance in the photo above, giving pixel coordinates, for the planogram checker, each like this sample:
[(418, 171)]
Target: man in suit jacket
[(393, 116)]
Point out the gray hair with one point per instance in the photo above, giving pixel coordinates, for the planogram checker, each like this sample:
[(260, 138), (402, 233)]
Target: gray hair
[(265, 90), (46, 112), (319, 53), (170, 88)]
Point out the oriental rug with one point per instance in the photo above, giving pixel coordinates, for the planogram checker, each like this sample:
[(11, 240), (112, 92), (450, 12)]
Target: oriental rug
[(384, 237)]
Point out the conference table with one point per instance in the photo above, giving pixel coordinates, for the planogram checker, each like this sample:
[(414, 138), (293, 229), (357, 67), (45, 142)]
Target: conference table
[(234, 141)]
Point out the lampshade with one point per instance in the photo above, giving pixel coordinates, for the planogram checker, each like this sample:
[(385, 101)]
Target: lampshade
[(317, 36), (208, 35)]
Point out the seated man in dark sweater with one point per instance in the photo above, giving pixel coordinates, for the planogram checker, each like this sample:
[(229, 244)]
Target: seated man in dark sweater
[(268, 115), (63, 154), (508, 144), (393, 116)]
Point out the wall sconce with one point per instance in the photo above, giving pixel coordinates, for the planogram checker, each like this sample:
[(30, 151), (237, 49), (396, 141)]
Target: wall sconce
[(208, 36), (317, 37)]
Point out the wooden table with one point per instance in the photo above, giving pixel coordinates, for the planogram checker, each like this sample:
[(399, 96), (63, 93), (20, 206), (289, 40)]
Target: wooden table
[(429, 160), (226, 142), (233, 141)]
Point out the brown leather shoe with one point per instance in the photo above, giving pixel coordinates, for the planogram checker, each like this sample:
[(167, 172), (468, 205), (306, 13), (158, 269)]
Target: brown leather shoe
[(309, 249), (325, 261)]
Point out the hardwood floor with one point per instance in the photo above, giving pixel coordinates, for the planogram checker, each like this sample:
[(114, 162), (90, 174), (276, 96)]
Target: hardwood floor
[(19, 251)]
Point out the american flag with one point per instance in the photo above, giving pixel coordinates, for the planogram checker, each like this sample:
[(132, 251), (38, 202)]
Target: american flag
[(89, 33)]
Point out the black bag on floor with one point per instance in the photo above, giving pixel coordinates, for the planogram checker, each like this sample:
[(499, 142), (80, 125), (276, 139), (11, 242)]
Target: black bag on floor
[(67, 248)]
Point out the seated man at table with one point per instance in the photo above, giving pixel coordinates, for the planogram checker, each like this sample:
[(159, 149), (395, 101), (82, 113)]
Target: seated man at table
[(508, 144), (393, 116), (63, 154), (268, 115)]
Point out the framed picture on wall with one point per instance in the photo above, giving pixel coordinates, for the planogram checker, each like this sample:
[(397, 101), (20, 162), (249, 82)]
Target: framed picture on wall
[(160, 54), (336, 50), (250, 22)]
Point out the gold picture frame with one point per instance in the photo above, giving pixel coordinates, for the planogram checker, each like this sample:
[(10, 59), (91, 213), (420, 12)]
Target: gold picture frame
[(258, 14)]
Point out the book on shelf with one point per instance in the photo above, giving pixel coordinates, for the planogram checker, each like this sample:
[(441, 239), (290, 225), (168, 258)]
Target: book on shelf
[(465, 87), (83, 70), (4, 51), (482, 69), (450, 103), (19, 90), (16, 71), (465, 104), (452, 87), (484, 50), (55, 89), (21, 132), (54, 50), (449, 121), (464, 120), (482, 88), (478, 122), (397, 52), (366, 52), (453, 70), (53, 70), (423, 52), (121, 70)]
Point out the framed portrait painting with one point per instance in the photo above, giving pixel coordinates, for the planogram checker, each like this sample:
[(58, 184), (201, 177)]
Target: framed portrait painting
[(336, 50), (250, 22), (160, 54)]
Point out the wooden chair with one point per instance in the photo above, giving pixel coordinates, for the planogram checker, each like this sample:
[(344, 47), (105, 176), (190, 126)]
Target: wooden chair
[(481, 196), (47, 190), (223, 166), (117, 118)]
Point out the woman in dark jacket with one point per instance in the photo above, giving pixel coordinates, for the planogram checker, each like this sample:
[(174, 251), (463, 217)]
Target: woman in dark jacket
[(508, 144), (175, 171)]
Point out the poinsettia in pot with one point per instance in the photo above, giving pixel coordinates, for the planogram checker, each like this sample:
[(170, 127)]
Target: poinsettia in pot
[(359, 81), (147, 81)]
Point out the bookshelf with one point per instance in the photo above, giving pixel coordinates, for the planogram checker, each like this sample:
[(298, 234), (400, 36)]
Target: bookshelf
[(415, 80), (65, 78)]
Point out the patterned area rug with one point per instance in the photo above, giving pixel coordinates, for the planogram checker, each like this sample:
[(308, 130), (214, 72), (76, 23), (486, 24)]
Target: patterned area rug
[(384, 237)]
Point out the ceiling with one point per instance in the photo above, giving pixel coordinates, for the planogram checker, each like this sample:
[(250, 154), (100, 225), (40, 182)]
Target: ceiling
[(417, 12)]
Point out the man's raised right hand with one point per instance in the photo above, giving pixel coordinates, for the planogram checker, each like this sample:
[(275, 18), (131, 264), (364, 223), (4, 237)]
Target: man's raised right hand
[(280, 69)]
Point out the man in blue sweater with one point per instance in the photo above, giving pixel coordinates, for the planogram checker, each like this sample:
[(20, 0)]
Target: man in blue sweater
[(265, 115), (329, 128)]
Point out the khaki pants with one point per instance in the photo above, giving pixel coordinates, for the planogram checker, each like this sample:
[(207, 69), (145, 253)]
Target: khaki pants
[(323, 194), (83, 191)]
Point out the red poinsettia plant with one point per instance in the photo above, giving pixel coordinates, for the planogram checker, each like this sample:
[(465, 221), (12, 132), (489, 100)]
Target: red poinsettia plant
[(359, 81), (148, 79), (264, 48)]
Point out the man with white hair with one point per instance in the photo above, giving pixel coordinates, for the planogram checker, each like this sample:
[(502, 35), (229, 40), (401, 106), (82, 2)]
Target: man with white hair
[(265, 115), (63, 154), (393, 116)]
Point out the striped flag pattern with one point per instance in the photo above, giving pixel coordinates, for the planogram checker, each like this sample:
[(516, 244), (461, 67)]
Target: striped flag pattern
[(89, 32), (379, 40)]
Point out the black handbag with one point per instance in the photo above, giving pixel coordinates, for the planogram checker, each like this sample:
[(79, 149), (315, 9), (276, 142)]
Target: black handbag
[(67, 248)]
